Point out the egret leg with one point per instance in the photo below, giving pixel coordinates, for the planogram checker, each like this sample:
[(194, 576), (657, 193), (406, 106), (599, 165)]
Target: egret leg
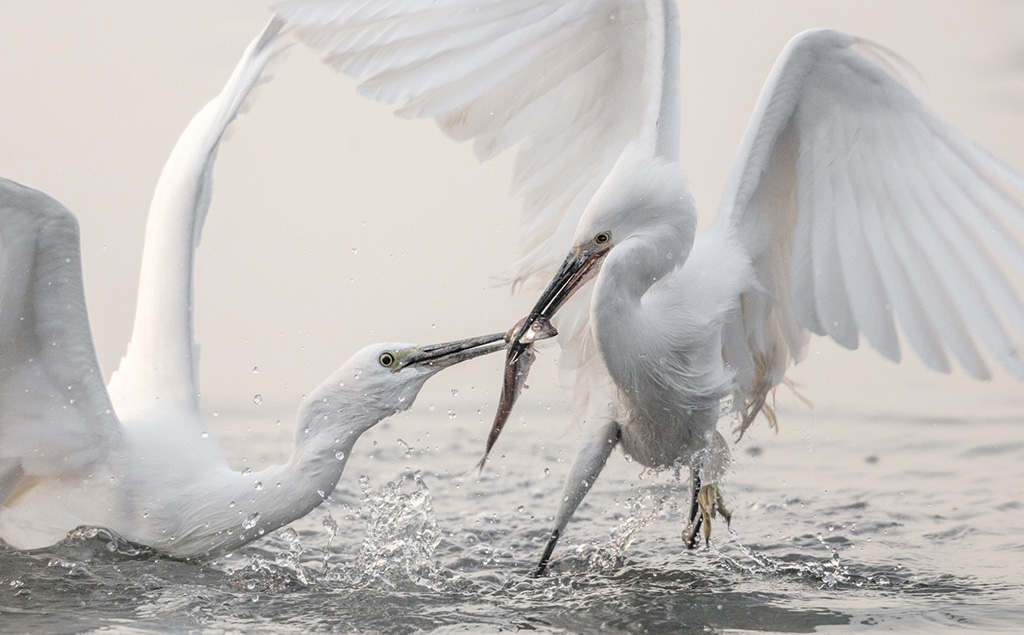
[(691, 529), (600, 439), (709, 502)]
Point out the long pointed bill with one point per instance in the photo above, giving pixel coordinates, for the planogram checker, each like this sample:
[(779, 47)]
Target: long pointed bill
[(575, 270), (450, 353)]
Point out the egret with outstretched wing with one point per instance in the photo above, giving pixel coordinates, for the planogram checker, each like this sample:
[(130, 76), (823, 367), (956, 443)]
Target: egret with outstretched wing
[(139, 461), (851, 207)]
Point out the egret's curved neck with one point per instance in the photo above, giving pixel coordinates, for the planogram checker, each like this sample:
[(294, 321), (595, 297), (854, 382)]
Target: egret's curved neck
[(630, 272), (238, 507)]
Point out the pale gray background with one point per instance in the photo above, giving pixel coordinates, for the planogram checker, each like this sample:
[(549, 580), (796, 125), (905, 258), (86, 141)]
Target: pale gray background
[(334, 224)]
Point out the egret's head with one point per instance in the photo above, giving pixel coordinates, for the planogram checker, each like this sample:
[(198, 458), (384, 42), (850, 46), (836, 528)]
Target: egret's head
[(383, 379), (642, 198)]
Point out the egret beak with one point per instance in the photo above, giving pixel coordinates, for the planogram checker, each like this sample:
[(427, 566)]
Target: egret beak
[(439, 356), (576, 269)]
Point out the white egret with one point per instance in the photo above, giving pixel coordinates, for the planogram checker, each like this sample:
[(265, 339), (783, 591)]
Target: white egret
[(851, 206), (139, 460)]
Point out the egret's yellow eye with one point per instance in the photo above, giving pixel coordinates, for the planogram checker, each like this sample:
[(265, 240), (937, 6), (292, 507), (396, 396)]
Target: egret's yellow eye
[(603, 238), (387, 360)]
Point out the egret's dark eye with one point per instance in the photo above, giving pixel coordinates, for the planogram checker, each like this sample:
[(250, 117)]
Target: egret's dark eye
[(603, 238), (387, 360)]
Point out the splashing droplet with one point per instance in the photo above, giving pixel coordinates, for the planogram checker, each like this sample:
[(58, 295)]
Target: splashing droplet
[(257, 399), (339, 455), (251, 520)]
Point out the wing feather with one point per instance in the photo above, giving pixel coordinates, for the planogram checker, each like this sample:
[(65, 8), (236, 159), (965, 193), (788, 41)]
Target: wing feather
[(861, 208), (52, 399), (158, 375), (567, 84)]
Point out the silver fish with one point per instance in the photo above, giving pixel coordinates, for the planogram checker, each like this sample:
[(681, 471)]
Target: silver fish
[(518, 361)]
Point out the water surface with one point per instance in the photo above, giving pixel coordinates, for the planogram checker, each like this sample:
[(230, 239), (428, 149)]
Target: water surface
[(839, 525)]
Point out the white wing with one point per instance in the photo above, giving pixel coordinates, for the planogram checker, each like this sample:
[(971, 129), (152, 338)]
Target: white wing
[(568, 83), (55, 415), (858, 204), (158, 375)]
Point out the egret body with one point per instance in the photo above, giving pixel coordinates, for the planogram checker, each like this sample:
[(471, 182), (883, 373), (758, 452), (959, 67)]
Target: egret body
[(851, 207), (138, 460)]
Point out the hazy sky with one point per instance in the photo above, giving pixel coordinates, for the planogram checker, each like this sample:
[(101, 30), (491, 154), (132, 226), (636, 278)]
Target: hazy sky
[(335, 224)]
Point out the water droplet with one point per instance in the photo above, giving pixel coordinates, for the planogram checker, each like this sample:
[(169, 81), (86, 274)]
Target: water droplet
[(546, 471), (455, 392), (231, 504), (251, 520), (258, 485), (216, 414), (255, 370), (521, 509), (289, 535), (354, 251), (339, 455), (204, 434), (247, 471), (257, 399), (451, 414)]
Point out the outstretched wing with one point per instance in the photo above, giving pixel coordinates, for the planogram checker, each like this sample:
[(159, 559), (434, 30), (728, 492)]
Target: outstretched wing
[(55, 415), (158, 375), (860, 209), (567, 83)]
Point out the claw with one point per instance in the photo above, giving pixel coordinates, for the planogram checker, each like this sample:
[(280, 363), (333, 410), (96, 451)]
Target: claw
[(710, 503)]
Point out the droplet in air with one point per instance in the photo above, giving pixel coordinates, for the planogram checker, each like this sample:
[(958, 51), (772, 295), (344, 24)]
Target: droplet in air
[(339, 455), (258, 485), (204, 434), (257, 399), (255, 370), (455, 392), (354, 251), (247, 471), (251, 520)]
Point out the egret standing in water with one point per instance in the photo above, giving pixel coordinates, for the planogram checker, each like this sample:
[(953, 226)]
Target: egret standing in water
[(851, 206), (139, 460)]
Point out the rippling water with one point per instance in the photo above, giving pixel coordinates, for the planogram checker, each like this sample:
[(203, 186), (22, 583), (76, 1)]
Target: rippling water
[(839, 525)]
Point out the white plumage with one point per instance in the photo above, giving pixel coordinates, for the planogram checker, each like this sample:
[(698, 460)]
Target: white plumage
[(139, 460), (852, 209)]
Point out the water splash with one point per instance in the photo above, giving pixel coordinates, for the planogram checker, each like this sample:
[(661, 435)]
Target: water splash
[(642, 510), (401, 535), (113, 542), (830, 573)]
